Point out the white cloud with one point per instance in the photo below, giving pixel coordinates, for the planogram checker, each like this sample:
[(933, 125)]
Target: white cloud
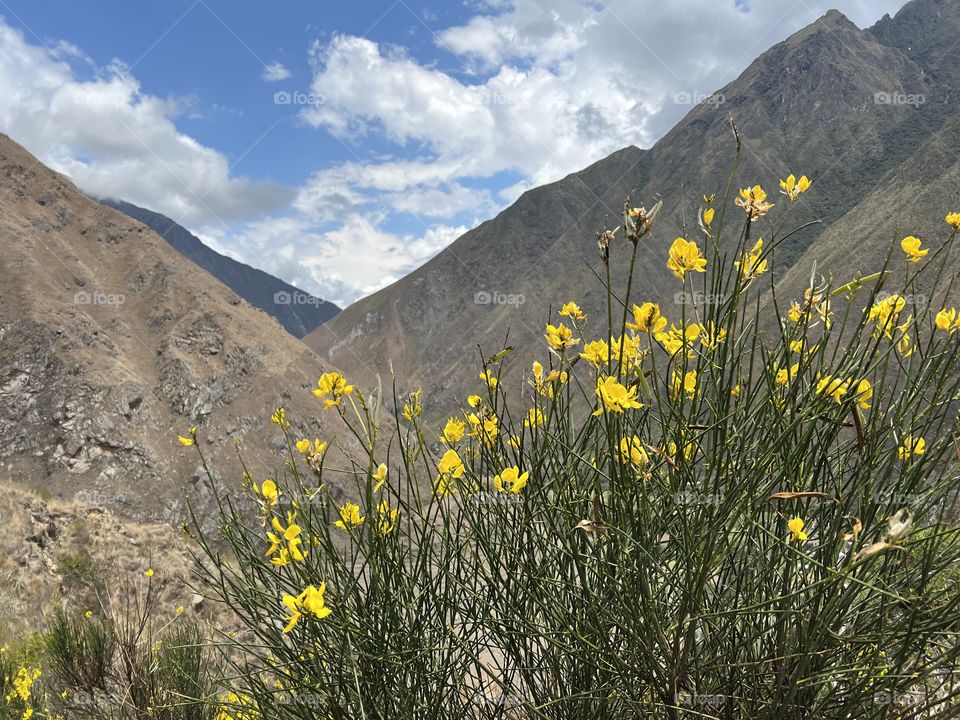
[(355, 258), (275, 72), (114, 140)]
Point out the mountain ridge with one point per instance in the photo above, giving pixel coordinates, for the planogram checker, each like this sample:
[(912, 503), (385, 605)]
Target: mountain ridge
[(112, 344), (297, 311)]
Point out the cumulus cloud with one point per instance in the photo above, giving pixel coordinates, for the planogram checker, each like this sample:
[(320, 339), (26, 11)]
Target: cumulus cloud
[(114, 140), (275, 72), (352, 259)]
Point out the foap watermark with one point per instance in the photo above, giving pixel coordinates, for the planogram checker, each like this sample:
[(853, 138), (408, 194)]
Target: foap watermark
[(95, 100), (899, 98), (496, 97), (98, 298), (886, 697), (490, 498), (917, 300), (296, 97), (698, 298), (685, 97), (295, 298), (692, 498), (911, 500), (685, 698), (494, 297)]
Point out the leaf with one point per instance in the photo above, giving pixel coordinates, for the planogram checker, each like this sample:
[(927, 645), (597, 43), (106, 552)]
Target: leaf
[(874, 549), (666, 458), (795, 495), (501, 355)]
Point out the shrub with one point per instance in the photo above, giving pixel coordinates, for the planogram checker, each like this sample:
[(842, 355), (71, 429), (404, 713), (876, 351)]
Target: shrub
[(131, 663), (746, 510)]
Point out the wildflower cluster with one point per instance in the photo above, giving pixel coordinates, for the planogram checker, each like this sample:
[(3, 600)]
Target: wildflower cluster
[(716, 501)]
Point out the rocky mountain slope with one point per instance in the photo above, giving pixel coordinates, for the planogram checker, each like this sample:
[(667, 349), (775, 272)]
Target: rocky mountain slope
[(112, 344), (297, 311), (847, 107)]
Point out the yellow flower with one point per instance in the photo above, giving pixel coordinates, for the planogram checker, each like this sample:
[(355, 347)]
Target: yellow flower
[(708, 216), (633, 452), (573, 311), (626, 351), (647, 318), (686, 384), (268, 492), (311, 601), (596, 353), (679, 338), (614, 397), (444, 486), (864, 394), (303, 445), (752, 267), (486, 428), (784, 376), (474, 400), (290, 536), (349, 515), (149, 572), (489, 378), (833, 387), (315, 456), (535, 417), (387, 518), (379, 477), (510, 480), (413, 407), (551, 381), (948, 321), (710, 337), (188, 441), (88, 614), (685, 257), (180, 610), (795, 313), (736, 390), (793, 188), (911, 446), (911, 246), (885, 314), (795, 526), (335, 385), (279, 417), (453, 430), (953, 219), (450, 469), (905, 344), (451, 464), (560, 337), (754, 202)]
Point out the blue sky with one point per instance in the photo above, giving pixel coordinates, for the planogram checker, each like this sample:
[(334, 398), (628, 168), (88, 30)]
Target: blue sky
[(407, 123)]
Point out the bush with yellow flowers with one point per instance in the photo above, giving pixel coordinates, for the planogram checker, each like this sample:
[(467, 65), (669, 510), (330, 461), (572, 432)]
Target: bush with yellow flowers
[(18, 679), (683, 516)]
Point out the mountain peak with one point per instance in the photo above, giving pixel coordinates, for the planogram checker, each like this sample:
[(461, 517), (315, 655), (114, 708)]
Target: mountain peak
[(836, 19)]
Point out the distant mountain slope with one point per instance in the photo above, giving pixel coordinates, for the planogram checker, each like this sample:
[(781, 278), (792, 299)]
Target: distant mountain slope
[(112, 344), (832, 102), (297, 311)]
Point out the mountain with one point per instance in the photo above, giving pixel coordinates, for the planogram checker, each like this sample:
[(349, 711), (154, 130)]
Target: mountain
[(297, 311), (112, 343), (845, 106)]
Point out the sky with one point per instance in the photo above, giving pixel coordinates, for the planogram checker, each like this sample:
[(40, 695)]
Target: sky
[(339, 146)]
